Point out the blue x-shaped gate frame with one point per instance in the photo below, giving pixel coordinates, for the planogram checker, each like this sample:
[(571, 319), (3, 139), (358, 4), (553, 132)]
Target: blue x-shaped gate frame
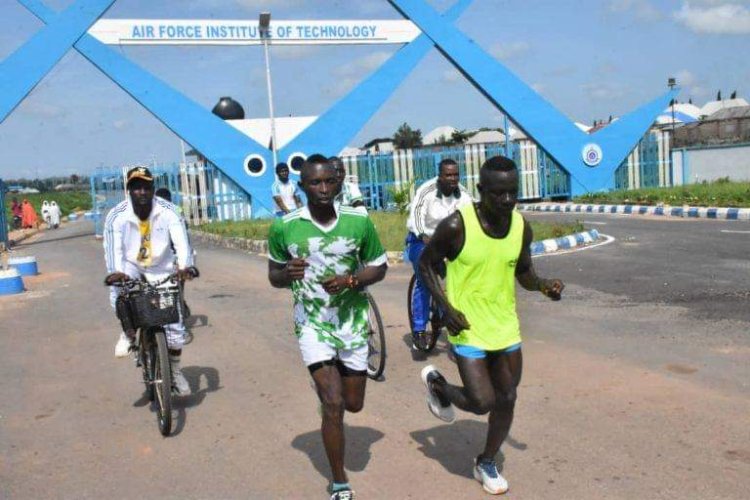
[(228, 148)]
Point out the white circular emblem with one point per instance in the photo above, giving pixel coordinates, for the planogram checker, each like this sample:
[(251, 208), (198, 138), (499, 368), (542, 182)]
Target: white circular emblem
[(592, 154)]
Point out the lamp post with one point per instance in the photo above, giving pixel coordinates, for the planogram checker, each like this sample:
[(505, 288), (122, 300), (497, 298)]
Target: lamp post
[(264, 24), (671, 83)]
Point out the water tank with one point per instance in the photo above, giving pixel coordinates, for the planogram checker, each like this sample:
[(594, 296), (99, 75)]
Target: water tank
[(228, 109)]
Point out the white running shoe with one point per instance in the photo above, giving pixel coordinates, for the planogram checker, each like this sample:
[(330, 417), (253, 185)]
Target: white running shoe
[(441, 409), (180, 384), (486, 473), (123, 345)]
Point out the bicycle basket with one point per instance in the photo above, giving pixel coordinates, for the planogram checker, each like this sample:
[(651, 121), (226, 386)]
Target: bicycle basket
[(155, 307)]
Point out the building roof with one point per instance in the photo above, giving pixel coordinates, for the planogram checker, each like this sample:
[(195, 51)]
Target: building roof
[(350, 151), (729, 113), (712, 107), (486, 136), (438, 134)]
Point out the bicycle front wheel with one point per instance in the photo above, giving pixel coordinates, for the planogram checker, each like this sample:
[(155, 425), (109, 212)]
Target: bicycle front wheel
[(375, 341), (162, 382)]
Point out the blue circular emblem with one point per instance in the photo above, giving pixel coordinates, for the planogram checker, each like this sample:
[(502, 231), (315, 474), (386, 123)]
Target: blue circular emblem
[(592, 154)]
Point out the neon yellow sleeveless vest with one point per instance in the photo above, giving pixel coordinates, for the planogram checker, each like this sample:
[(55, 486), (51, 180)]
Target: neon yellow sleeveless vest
[(481, 283)]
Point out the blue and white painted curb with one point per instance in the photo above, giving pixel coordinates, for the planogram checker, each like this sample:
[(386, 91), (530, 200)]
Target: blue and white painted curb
[(10, 281), (564, 242), (26, 266), (668, 211)]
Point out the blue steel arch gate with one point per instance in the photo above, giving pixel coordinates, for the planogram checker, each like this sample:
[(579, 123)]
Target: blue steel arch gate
[(228, 149)]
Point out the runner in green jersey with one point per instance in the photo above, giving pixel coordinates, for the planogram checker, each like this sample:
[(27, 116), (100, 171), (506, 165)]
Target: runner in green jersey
[(327, 255), (487, 248)]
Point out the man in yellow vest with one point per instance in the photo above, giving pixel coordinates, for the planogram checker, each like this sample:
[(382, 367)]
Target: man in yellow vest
[(486, 247)]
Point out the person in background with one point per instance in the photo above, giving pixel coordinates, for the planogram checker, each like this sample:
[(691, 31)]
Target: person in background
[(286, 194), (17, 210), (29, 219)]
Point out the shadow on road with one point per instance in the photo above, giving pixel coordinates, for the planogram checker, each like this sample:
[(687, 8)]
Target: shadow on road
[(454, 446), (358, 443), (45, 240), (194, 375), (441, 347), (192, 321)]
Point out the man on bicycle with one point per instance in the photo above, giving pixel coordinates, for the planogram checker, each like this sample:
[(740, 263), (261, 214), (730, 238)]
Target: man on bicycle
[(139, 236), (327, 255), (435, 200)]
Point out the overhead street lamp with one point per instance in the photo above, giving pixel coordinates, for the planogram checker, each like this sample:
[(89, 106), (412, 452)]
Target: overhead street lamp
[(264, 25)]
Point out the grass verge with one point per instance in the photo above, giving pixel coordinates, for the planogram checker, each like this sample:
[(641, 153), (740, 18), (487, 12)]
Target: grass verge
[(391, 229), (720, 193), (67, 200)]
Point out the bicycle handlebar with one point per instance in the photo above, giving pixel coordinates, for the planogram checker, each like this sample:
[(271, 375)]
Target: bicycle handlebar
[(131, 283)]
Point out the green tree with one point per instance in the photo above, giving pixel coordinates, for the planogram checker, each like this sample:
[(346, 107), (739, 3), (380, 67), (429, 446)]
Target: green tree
[(407, 137), (459, 136)]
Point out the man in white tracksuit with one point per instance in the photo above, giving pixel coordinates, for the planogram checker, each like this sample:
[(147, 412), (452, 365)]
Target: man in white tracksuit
[(139, 234)]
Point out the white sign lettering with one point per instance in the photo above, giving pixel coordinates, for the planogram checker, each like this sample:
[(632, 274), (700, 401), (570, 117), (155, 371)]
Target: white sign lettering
[(200, 32)]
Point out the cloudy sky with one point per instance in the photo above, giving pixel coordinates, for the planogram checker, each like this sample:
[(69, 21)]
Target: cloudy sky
[(590, 58)]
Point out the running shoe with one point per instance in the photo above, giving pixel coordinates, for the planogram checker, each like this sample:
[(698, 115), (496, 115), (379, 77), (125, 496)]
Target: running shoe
[(343, 495), (437, 405), (122, 348), (485, 471)]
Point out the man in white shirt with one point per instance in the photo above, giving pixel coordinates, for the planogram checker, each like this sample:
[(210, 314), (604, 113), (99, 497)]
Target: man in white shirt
[(286, 194), (435, 200), (349, 195), (139, 234)]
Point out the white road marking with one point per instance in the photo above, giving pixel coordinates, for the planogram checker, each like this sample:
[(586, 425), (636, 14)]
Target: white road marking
[(734, 232), (608, 240), (595, 223)]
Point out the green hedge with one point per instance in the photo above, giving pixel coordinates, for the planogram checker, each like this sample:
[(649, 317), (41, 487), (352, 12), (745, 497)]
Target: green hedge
[(720, 193)]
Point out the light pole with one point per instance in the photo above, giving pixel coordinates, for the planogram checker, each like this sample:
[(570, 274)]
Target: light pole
[(671, 83), (264, 24)]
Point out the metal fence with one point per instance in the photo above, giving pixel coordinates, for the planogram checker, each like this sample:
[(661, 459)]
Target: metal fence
[(379, 175), (648, 165), (201, 190)]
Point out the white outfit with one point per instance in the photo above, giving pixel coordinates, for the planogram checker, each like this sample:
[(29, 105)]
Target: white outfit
[(429, 207), (54, 214), (287, 191), (46, 213), (122, 241)]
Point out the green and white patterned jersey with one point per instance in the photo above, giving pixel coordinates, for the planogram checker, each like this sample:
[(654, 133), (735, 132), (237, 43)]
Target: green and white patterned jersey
[(339, 320)]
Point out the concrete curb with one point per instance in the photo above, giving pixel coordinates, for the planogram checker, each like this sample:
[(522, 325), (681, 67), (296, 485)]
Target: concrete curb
[(564, 242), (260, 247), (684, 211)]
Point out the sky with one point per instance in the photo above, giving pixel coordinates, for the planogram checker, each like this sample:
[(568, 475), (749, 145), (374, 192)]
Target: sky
[(589, 58)]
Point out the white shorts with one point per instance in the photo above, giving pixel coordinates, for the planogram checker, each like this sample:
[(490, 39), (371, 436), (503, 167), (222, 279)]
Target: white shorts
[(314, 351)]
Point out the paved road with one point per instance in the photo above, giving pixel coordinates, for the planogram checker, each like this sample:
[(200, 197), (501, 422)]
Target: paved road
[(621, 397)]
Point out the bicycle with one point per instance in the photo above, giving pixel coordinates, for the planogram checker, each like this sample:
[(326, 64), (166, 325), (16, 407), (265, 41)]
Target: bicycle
[(147, 308), (427, 341), (375, 341)]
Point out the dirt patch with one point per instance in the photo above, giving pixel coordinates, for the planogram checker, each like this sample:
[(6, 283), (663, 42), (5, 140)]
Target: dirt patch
[(681, 369), (738, 455), (44, 277)]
